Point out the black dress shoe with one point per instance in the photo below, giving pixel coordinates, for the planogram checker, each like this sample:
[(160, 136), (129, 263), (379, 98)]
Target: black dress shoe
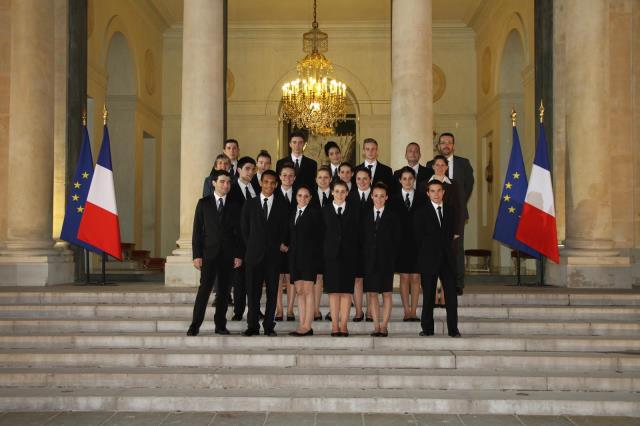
[(328, 317), (358, 319), (344, 334), (270, 333), (336, 334), (383, 334), (407, 319), (460, 291), (250, 332), (192, 332), (223, 331), (369, 319), (260, 315), (298, 334), (295, 333), (236, 318), (291, 318), (415, 319), (426, 334), (375, 334), (455, 334), (317, 317), (278, 318)]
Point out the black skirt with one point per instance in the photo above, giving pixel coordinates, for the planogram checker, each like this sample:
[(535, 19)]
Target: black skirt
[(338, 276), (377, 282)]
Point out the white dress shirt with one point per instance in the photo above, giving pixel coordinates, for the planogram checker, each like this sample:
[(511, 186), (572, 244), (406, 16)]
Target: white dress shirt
[(246, 185), (373, 169), (269, 203), (343, 205), (287, 192), (366, 193), (435, 207), (411, 195)]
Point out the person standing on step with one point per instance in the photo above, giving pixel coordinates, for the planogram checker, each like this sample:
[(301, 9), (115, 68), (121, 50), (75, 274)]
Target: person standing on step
[(433, 226), (232, 150), (379, 172), (380, 238), (217, 250), (305, 234), (321, 197), (286, 194), (305, 167), (405, 203), (340, 244), (264, 230)]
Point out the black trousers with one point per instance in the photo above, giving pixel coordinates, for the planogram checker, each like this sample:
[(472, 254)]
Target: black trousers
[(239, 292), (429, 284), (219, 268), (459, 252), (267, 271)]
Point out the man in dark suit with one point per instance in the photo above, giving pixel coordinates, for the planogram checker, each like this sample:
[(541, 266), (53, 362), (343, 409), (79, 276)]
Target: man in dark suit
[(422, 174), (231, 149), (264, 230), (263, 162), (242, 189), (433, 226), (333, 153), (217, 250), (379, 172), (461, 172), (305, 167)]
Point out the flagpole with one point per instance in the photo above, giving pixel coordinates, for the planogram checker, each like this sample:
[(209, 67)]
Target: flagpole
[(514, 116), (542, 258)]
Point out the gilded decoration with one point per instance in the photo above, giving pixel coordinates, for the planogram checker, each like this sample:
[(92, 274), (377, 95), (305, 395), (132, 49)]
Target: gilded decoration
[(439, 82)]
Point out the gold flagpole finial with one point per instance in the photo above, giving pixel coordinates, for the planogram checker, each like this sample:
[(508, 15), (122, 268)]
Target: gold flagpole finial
[(514, 115), (541, 109), (105, 114), (84, 118)]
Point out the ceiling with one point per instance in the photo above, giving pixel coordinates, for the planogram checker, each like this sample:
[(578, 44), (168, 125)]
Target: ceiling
[(247, 11)]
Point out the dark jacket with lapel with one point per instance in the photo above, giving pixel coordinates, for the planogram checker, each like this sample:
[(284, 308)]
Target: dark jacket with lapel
[(379, 246), (316, 200), (463, 175), (382, 174), (307, 173), (341, 237), (421, 178), (237, 194), (213, 234), (435, 244), (263, 237), (305, 239)]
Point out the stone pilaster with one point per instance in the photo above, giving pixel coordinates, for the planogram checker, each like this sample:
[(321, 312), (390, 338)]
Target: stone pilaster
[(202, 127), (29, 256), (411, 78)]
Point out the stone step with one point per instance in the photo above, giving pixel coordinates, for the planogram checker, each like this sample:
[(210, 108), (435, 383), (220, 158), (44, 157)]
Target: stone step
[(471, 326), (354, 342), (338, 400), (322, 358), (315, 378), (163, 295), (184, 311)]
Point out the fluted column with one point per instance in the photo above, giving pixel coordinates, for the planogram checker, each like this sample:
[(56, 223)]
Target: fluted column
[(202, 126), (412, 80), (29, 257)]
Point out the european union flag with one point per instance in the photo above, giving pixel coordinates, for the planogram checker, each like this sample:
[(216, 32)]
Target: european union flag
[(511, 201), (78, 196)]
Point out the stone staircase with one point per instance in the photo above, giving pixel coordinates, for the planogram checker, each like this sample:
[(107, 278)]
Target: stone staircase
[(523, 351)]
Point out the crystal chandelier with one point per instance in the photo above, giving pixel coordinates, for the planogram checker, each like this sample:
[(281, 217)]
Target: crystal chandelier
[(313, 101)]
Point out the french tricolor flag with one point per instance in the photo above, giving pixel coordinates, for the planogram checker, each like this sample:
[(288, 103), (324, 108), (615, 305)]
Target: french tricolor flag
[(99, 225), (537, 226)]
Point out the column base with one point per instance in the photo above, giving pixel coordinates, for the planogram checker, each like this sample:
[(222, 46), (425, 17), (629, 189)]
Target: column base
[(37, 270), (590, 272), (179, 272)]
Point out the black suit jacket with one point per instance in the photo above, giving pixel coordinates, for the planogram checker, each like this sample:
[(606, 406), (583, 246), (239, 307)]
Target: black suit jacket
[(341, 237), (307, 173), (316, 201), (379, 246), (237, 194), (305, 239), (213, 234), (463, 175), (383, 174), (263, 237), (435, 244), (421, 178)]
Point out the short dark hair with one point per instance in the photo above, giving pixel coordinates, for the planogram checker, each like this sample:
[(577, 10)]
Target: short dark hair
[(244, 160), (217, 173), (288, 165), (346, 164), (228, 141), (440, 157), (339, 183), (269, 173), (363, 169), (298, 134), (434, 182), (303, 186), (453, 138), (324, 169), (412, 143), (328, 146), (263, 153), (369, 140), (407, 169), (381, 185)]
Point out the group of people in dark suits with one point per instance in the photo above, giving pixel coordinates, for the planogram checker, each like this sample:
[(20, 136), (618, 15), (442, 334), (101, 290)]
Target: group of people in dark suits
[(337, 229)]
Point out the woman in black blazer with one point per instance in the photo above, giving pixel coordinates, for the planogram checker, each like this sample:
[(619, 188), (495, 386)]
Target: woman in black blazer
[(305, 232), (340, 253), (380, 239), (319, 198), (405, 203)]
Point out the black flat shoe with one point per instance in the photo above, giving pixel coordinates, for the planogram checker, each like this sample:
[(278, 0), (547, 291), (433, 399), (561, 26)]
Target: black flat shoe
[(336, 334), (414, 319), (278, 318), (270, 333), (358, 319), (222, 331), (455, 335), (344, 334), (318, 318), (407, 319), (306, 333), (291, 318), (375, 334), (249, 332), (425, 334), (460, 291), (383, 334), (295, 333), (328, 317), (236, 318), (192, 332), (369, 319)]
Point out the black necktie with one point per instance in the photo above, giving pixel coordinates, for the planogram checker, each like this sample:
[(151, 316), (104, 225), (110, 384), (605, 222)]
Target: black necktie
[(407, 201), (220, 206), (286, 197), (324, 198), (247, 194), (335, 173), (340, 212), (231, 171), (297, 166), (265, 209), (440, 215), (363, 199), (298, 218), (370, 166), (377, 221)]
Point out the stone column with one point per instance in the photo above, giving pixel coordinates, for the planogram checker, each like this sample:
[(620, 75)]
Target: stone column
[(202, 124), (29, 256), (589, 258), (411, 78)]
